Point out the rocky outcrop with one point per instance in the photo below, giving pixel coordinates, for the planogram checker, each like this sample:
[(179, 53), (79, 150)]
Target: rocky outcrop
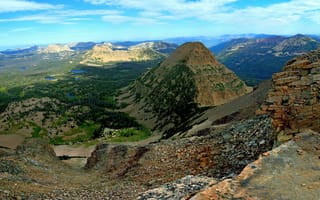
[(290, 171), (115, 159), (294, 100)]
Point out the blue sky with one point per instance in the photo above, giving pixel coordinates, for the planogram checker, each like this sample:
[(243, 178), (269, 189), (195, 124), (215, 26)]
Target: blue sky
[(29, 22)]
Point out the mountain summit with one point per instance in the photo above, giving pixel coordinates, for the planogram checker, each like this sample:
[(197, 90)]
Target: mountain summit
[(188, 79), (214, 83), (193, 54)]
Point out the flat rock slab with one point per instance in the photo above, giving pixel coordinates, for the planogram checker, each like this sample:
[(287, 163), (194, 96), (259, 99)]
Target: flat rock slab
[(290, 171), (72, 151), (11, 141)]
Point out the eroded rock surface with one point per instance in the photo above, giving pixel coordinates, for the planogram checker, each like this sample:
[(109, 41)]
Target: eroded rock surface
[(294, 100), (290, 171)]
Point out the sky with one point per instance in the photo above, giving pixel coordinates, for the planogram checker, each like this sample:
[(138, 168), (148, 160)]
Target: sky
[(40, 22)]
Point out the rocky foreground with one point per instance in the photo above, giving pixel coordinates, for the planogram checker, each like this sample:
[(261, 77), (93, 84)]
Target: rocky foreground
[(123, 171), (290, 171)]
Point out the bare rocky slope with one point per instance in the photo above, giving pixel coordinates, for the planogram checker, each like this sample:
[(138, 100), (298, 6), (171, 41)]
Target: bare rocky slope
[(290, 171), (188, 80)]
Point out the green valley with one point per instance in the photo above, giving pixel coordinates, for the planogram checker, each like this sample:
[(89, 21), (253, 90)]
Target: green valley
[(53, 95)]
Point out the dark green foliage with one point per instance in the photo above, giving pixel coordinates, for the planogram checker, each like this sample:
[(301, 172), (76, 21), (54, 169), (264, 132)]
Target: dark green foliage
[(254, 68), (171, 99), (254, 60), (175, 92), (36, 132), (57, 140), (131, 134), (94, 91)]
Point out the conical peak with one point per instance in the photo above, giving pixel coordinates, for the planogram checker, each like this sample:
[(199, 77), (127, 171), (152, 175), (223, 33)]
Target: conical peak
[(191, 53)]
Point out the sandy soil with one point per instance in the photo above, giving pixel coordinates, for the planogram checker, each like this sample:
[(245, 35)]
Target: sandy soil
[(11, 141), (73, 151)]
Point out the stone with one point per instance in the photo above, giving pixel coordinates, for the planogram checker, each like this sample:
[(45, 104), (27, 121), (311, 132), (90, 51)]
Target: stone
[(274, 176), (294, 99)]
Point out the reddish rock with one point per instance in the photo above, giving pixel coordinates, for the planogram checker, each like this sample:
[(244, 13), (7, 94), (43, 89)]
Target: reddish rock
[(290, 171), (294, 100)]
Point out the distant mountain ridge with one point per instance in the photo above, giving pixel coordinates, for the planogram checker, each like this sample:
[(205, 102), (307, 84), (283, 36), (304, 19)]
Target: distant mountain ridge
[(27, 50), (257, 59), (98, 54), (54, 48), (214, 40), (108, 52)]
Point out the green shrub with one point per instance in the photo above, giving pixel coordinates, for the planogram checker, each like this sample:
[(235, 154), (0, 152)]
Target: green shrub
[(131, 134)]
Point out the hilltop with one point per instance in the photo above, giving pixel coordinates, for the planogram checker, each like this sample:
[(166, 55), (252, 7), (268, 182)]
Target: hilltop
[(188, 80)]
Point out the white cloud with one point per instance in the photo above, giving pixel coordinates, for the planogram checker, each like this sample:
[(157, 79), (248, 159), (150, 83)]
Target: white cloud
[(61, 16), (20, 29), (216, 11), (23, 5), (276, 14), (170, 6), (116, 19), (45, 19)]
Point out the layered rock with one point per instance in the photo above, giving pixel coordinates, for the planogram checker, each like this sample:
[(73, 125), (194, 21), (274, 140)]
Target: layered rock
[(294, 100)]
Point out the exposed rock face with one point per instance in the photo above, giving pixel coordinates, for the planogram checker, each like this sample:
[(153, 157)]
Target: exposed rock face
[(55, 48), (290, 171), (189, 78), (294, 100), (105, 53)]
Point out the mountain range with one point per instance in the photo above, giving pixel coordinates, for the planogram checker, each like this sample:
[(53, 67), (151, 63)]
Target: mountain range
[(197, 130), (253, 57), (107, 52), (257, 59)]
